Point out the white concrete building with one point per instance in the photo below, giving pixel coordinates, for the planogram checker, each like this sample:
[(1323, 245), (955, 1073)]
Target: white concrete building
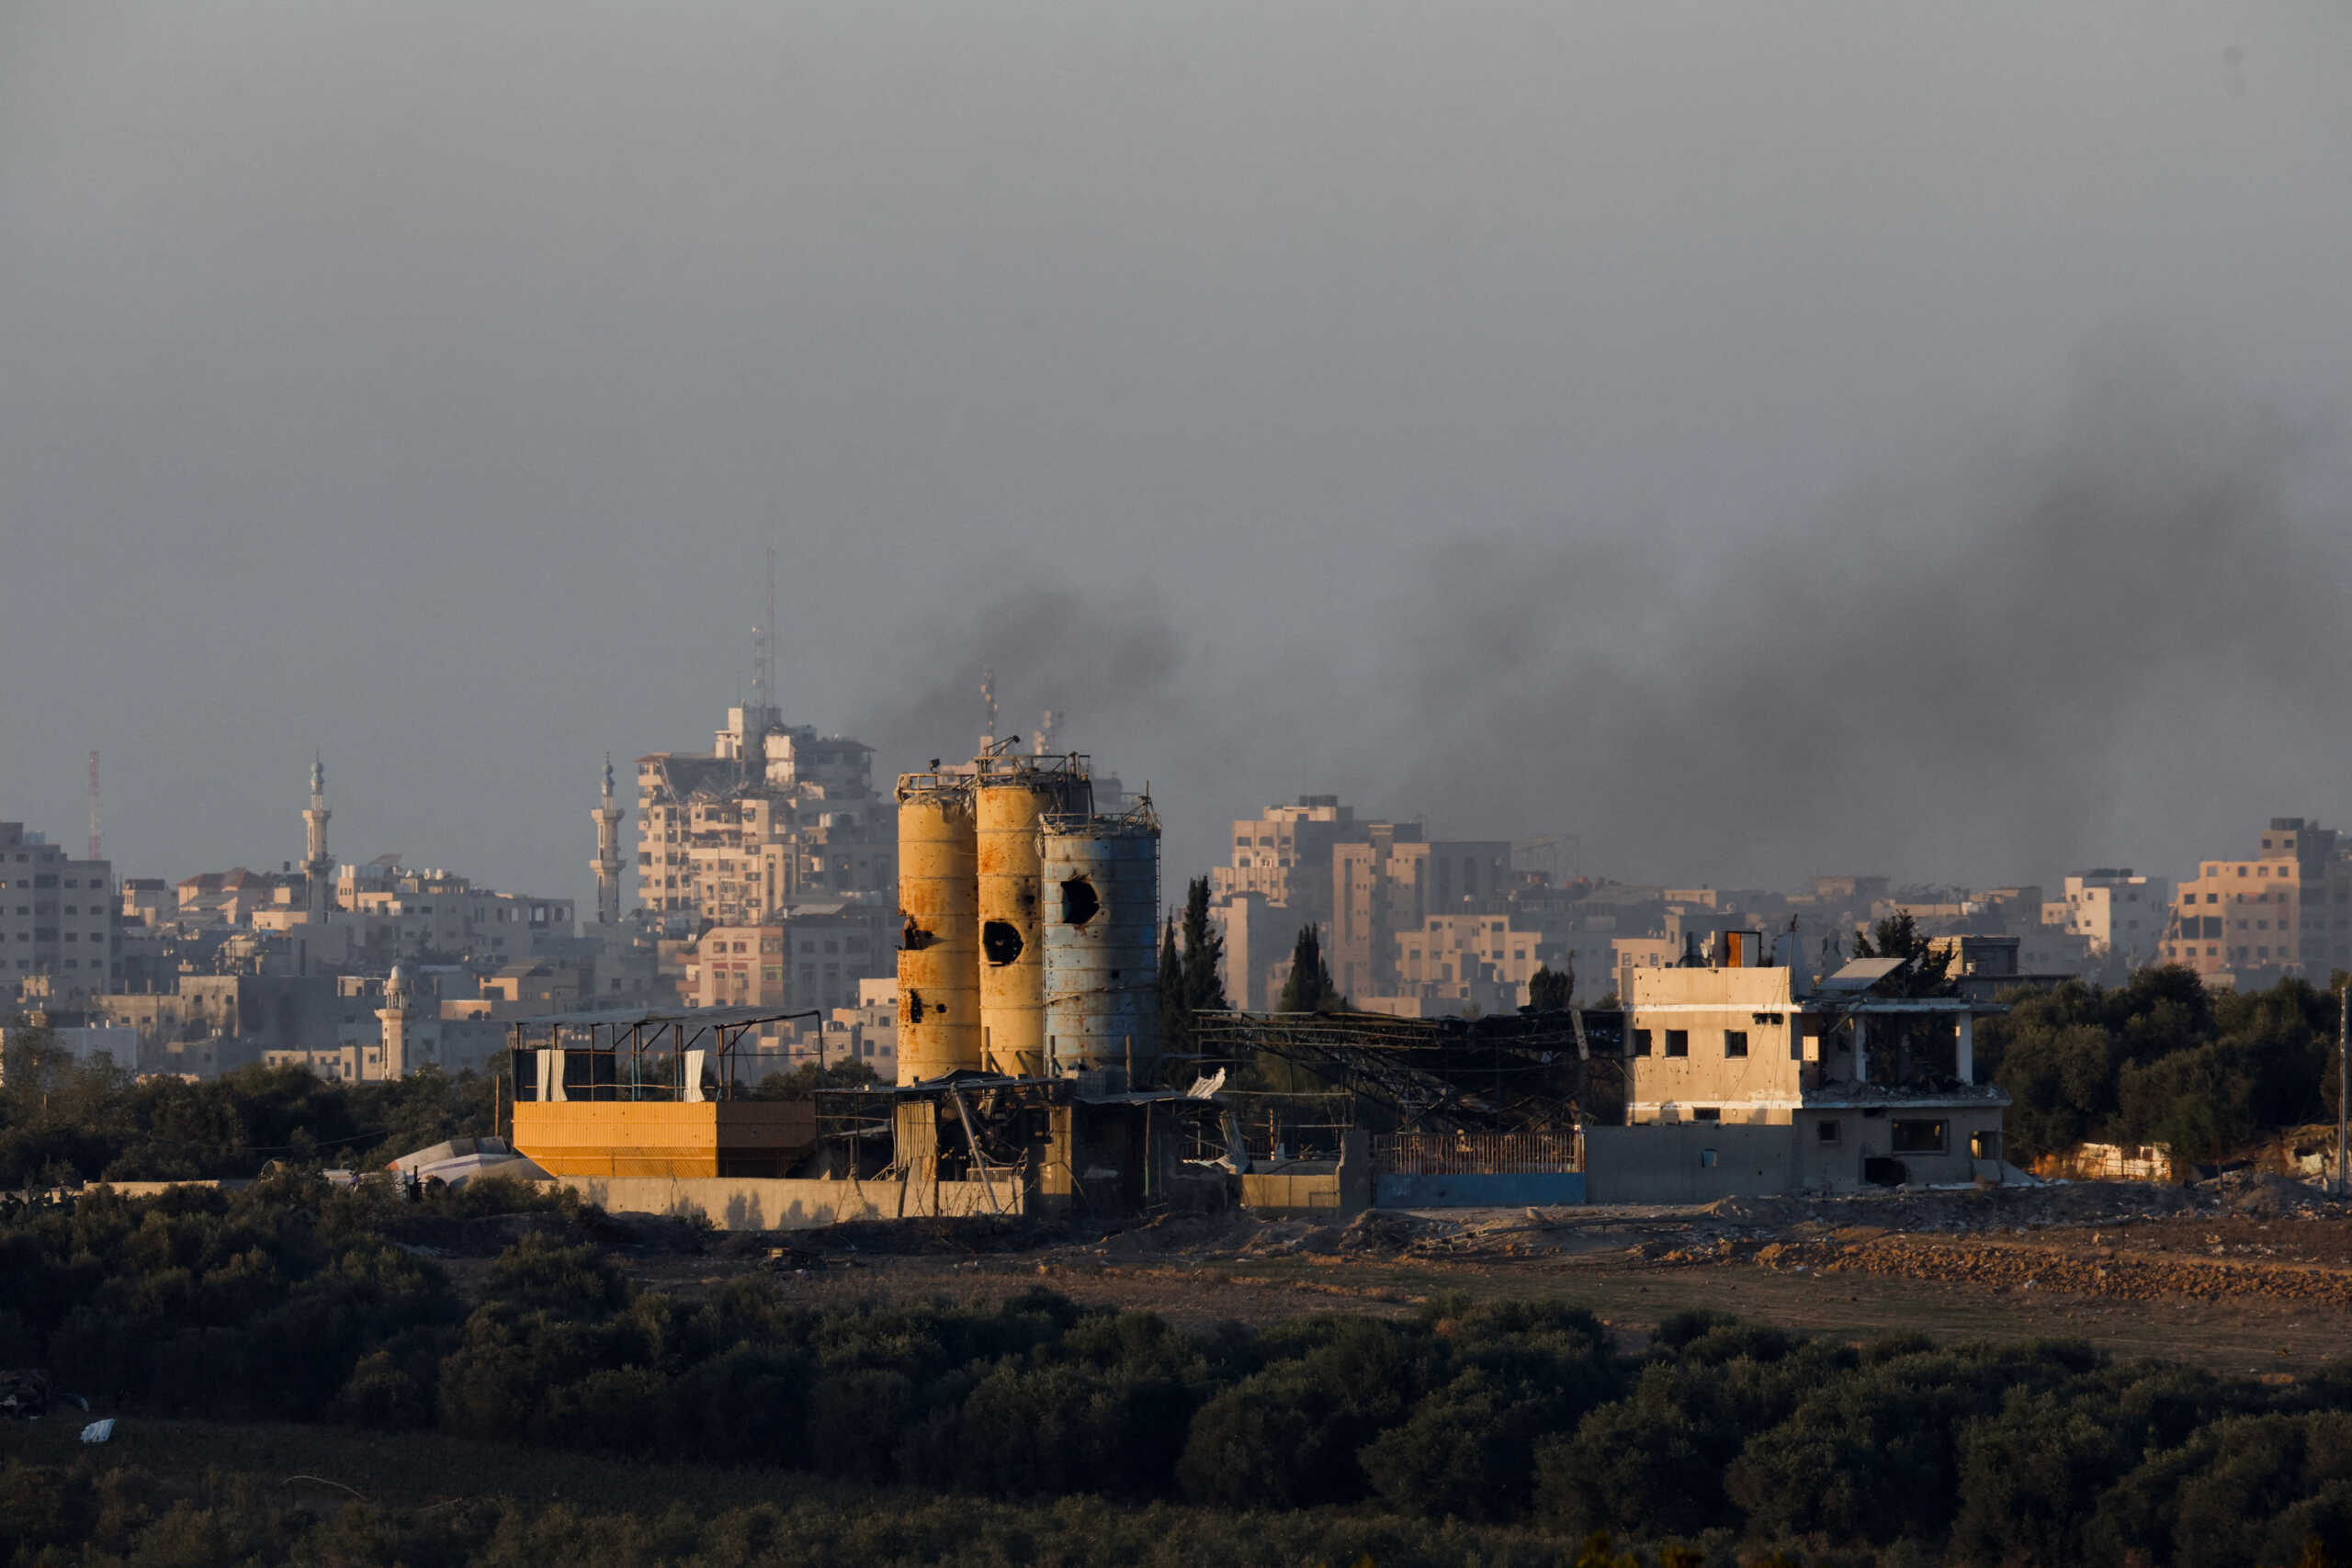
[(2118, 913)]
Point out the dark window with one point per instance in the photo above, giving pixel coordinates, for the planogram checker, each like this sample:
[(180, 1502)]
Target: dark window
[(1641, 1042), (1678, 1042), (1916, 1137), (1706, 1114), (1734, 1042), (1827, 1131)]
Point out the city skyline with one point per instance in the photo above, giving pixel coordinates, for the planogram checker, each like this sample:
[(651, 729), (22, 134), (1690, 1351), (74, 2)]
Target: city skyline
[(1941, 470)]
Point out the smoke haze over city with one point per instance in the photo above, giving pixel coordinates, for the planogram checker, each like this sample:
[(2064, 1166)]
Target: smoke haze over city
[(1753, 440)]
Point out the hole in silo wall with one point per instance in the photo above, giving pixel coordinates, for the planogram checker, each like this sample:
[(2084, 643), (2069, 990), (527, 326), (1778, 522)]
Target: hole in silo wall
[(1080, 903), (999, 942)]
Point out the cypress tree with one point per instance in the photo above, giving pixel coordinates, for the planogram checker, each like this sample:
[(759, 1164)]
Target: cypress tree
[(1203, 954), (1309, 987)]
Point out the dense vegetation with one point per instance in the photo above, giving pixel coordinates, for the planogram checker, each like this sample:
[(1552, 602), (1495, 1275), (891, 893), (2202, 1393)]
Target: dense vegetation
[(62, 1123), (2164, 1060), (290, 1300)]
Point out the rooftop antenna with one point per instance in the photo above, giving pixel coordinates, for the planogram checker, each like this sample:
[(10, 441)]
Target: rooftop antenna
[(95, 854)]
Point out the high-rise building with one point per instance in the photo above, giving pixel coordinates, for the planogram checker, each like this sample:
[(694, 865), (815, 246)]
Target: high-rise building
[(770, 815), (57, 921)]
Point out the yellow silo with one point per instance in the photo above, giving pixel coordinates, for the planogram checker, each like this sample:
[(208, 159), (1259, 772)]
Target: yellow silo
[(1013, 794), (939, 986)]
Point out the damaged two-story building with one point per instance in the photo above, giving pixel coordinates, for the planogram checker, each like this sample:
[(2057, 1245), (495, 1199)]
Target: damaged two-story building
[(1743, 1075)]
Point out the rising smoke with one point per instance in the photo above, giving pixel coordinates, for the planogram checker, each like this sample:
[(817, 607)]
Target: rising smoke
[(1114, 661), (2118, 641)]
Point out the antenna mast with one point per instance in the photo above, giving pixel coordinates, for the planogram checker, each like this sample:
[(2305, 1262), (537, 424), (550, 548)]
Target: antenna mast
[(94, 807), (763, 689)]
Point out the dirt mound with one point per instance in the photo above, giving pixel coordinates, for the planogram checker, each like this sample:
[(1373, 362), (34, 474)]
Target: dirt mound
[(1176, 1232), (1379, 1234), (2261, 1196)]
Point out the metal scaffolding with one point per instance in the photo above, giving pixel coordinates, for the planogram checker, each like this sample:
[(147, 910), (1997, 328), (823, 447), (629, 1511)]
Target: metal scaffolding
[(602, 1039)]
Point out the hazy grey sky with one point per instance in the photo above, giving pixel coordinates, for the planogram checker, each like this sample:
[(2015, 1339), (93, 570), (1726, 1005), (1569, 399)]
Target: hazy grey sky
[(1694, 426)]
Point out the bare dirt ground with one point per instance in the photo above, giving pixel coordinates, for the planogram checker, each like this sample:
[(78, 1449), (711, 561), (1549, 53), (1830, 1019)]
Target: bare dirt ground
[(2250, 1277)]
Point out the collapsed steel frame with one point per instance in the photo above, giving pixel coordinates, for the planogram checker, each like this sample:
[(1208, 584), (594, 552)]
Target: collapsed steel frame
[(992, 1124), (1511, 1073)]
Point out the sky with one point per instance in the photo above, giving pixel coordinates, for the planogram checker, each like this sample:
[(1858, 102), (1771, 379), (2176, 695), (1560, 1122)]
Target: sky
[(1753, 440)]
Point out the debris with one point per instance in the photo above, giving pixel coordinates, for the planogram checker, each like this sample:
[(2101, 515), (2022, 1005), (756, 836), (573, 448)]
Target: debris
[(1376, 1231), (2259, 1195), (98, 1431), (1205, 1089)]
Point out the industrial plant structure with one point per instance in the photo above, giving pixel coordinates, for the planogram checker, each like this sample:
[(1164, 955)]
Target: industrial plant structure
[(1031, 1077), (1028, 993), (1029, 924), (1029, 1069)]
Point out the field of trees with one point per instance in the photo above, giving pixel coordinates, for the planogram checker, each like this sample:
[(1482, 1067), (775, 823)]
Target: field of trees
[(291, 1302), (63, 1124), (2164, 1060)]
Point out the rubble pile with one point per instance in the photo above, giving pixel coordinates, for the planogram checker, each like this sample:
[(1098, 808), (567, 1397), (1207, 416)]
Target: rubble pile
[(2258, 1195)]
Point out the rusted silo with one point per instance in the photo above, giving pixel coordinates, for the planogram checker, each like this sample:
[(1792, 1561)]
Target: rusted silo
[(1013, 795), (1101, 890), (939, 983)]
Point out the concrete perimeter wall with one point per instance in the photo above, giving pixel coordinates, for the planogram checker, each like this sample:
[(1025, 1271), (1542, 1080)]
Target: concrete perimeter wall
[(1670, 1163), (1499, 1192), (752, 1203)]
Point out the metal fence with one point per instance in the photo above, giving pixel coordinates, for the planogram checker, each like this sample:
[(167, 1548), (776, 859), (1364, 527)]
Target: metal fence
[(1477, 1154)]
